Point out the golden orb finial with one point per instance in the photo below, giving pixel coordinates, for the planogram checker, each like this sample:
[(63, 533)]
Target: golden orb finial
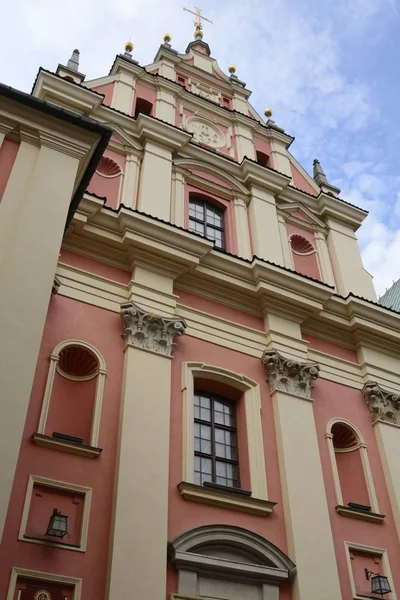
[(268, 112), (198, 33), (167, 38), (129, 46), (232, 69)]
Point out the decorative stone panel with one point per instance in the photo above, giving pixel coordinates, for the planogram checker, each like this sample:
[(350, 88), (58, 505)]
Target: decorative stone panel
[(205, 132), (150, 331), (289, 375), (383, 405)]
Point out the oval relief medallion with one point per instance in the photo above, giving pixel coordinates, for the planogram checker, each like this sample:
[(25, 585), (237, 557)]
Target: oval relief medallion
[(205, 132)]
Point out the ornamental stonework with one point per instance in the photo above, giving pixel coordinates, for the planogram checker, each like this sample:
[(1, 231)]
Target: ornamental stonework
[(205, 133), (383, 405), (288, 375), (149, 331)]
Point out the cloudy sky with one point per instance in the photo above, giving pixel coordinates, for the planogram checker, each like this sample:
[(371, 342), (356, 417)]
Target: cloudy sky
[(329, 69)]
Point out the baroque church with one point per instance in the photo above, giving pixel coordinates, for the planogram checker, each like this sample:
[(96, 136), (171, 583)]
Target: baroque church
[(199, 388)]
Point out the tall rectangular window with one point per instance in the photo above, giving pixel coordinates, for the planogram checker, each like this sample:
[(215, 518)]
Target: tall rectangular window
[(215, 440), (207, 220)]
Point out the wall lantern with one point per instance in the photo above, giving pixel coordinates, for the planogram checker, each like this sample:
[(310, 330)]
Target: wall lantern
[(379, 583), (58, 524)]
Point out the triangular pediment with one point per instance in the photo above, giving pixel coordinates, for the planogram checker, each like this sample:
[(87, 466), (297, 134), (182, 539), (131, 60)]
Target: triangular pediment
[(298, 212)]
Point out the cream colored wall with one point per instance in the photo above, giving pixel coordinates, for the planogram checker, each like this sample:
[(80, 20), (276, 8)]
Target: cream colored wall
[(346, 260), (130, 182), (280, 157), (38, 193), (388, 438), (244, 142), (155, 181), (305, 505), (264, 226), (123, 92), (165, 106), (141, 516), (242, 228)]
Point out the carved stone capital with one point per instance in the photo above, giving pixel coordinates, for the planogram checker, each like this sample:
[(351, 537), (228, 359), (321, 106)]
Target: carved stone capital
[(150, 331), (383, 405), (289, 375)]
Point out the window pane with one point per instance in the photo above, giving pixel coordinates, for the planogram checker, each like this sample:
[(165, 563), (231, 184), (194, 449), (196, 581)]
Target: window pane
[(205, 446), (205, 414), (206, 465), (196, 227), (205, 401), (205, 432)]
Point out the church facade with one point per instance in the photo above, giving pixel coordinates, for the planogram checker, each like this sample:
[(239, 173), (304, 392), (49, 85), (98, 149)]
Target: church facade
[(198, 386)]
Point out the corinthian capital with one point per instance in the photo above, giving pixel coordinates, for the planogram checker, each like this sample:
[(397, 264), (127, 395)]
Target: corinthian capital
[(289, 375), (149, 331), (383, 405)]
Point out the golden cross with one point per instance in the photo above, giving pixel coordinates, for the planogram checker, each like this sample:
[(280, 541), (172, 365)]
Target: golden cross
[(198, 16)]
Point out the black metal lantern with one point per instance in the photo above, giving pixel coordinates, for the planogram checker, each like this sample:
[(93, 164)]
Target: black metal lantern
[(58, 524), (379, 583)]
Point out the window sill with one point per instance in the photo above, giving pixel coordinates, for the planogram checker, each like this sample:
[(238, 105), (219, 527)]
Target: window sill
[(351, 513), (51, 544), (47, 441), (224, 499)]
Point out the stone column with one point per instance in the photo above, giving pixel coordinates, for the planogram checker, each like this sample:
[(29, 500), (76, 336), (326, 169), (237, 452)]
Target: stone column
[(384, 407), (242, 228), (306, 512), (139, 548)]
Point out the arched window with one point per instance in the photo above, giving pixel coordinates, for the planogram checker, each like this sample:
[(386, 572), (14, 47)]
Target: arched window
[(227, 562), (354, 488), (206, 219), (73, 395), (215, 440)]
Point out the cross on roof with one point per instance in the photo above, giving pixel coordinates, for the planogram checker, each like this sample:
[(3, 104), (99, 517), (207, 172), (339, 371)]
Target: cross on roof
[(198, 16)]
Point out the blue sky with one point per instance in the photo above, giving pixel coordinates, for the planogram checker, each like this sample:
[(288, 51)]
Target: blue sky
[(328, 69)]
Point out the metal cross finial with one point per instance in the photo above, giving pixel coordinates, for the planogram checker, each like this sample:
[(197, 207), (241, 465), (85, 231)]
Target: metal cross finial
[(197, 23)]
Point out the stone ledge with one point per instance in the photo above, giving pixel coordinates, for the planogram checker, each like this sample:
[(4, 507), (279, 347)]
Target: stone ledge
[(47, 441), (346, 511), (229, 500)]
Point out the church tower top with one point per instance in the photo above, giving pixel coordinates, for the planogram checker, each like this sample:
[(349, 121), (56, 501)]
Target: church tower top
[(198, 43)]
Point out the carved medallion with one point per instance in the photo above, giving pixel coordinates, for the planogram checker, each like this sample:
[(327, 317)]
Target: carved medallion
[(42, 595), (205, 132)]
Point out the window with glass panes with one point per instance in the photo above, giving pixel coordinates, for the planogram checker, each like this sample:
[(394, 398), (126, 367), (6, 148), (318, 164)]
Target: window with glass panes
[(207, 220), (215, 440)]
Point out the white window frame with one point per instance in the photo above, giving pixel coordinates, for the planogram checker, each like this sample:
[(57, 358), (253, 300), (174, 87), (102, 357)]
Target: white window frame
[(252, 404), (16, 572), (349, 546)]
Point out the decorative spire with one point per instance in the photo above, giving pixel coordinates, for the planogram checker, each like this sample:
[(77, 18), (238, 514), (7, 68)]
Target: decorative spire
[(70, 71), (73, 62), (322, 181), (148, 331), (198, 31), (289, 375)]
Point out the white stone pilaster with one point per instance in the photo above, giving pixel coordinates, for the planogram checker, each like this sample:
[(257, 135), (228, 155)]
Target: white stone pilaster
[(165, 106), (130, 182), (306, 512), (155, 181), (286, 250), (280, 158), (123, 93), (264, 226), (324, 259), (178, 199), (242, 228)]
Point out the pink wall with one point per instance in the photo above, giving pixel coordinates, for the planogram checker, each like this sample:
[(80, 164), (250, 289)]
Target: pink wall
[(333, 400), (261, 145), (107, 90), (147, 93), (8, 154), (94, 266), (331, 348), (301, 182), (109, 187), (68, 319), (351, 476), (307, 264), (184, 515)]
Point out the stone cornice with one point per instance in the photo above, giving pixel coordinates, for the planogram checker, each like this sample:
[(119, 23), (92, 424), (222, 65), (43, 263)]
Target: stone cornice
[(287, 375), (163, 133), (149, 331), (339, 210), (383, 405)]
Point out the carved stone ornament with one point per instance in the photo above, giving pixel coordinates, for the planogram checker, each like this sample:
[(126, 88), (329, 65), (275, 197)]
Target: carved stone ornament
[(383, 405), (205, 133), (289, 375), (150, 331)]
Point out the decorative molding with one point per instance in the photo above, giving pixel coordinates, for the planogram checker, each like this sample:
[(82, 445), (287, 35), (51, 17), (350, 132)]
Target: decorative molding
[(301, 245), (44, 576), (149, 331), (47, 441), (383, 405), (372, 517), (108, 167), (287, 375)]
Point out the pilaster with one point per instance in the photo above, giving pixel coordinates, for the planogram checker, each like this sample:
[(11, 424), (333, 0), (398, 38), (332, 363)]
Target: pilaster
[(324, 259), (155, 181), (244, 142), (280, 157), (306, 511), (264, 226), (178, 199), (130, 183), (123, 92), (286, 251), (138, 552), (165, 106), (384, 407), (242, 228)]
